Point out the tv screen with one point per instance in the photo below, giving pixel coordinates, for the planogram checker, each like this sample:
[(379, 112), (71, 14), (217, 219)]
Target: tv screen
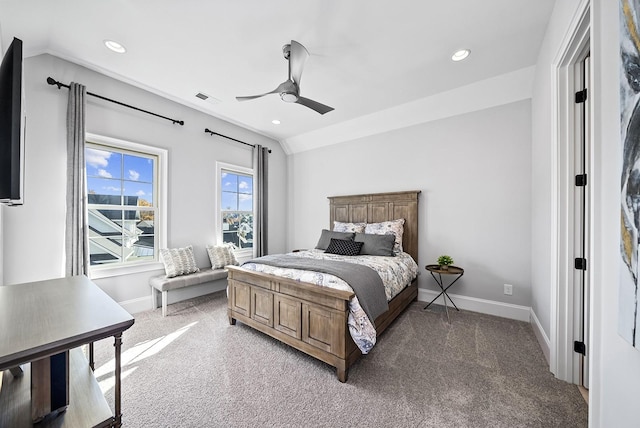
[(12, 126)]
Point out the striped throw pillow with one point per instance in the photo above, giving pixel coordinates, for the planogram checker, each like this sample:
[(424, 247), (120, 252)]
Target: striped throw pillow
[(221, 256), (178, 261)]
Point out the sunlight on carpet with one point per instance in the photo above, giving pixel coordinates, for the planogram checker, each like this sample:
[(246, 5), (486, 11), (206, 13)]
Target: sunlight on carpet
[(137, 353)]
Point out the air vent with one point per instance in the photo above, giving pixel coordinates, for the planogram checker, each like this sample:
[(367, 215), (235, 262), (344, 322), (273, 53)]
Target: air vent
[(207, 98)]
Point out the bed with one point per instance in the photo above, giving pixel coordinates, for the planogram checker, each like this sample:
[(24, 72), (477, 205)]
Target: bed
[(314, 319)]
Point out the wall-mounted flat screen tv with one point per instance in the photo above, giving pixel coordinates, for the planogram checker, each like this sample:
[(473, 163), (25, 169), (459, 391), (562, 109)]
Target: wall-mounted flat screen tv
[(12, 126)]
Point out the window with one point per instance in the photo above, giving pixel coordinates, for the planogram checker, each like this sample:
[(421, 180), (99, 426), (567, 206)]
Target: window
[(124, 195), (236, 206)]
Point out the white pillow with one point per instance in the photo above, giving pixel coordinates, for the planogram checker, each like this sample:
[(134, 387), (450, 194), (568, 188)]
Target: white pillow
[(339, 226), (221, 256), (178, 261), (392, 227)]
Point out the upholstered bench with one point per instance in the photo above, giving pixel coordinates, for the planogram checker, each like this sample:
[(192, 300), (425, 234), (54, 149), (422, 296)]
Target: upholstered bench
[(163, 284)]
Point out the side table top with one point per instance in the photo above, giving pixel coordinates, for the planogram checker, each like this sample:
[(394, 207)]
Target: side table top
[(453, 270)]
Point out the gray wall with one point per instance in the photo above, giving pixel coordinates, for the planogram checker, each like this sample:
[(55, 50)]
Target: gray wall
[(33, 234), (474, 171)]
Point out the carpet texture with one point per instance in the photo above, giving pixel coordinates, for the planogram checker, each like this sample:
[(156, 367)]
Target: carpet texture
[(193, 369)]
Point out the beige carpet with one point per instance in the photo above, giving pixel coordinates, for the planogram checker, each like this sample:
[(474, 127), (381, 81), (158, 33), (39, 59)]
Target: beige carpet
[(193, 369)]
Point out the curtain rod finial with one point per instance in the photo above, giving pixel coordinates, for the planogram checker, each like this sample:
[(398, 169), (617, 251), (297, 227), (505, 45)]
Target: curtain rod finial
[(52, 81)]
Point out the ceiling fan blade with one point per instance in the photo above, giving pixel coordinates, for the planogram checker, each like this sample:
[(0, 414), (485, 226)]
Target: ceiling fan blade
[(277, 90), (297, 57), (314, 105)]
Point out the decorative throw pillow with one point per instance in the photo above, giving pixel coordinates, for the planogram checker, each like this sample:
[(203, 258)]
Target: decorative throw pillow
[(344, 247), (221, 256), (326, 235), (339, 226), (392, 227), (376, 245), (178, 261)]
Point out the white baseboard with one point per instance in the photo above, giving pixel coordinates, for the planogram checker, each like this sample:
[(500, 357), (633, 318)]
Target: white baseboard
[(543, 340), (490, 307)]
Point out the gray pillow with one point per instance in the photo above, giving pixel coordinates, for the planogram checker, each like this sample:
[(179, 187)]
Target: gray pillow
[(376, 245), (325, 238)]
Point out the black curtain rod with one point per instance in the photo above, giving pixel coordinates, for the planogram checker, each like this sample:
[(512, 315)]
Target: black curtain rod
[(208, 131), (52, 81)]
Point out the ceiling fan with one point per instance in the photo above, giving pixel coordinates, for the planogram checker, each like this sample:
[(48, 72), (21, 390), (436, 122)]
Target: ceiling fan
[(289, 90)]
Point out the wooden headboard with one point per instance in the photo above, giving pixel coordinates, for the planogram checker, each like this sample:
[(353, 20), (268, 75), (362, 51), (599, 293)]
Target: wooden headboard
[(378, 207)]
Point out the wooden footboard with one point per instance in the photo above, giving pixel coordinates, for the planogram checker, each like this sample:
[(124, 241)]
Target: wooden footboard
[(305, 316)]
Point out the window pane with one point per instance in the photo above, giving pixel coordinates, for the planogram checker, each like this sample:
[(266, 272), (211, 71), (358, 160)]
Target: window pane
[(104, 187), (103, 163), (245, 231), (138, 168), (137, 193), (230, 237), (245, 184), (245, 202), (230, 221), (105, 250), (229, 182), (105, 222), (229, 201)]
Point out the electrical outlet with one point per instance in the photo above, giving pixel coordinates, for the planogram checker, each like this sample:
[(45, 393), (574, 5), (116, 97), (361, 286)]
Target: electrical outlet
[(508, 289)]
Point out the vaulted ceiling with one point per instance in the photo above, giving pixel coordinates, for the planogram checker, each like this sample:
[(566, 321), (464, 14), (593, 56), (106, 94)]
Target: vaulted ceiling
[(365, 55)]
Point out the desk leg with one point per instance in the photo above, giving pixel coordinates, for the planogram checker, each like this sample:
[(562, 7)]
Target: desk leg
[(118, 346), (92, 363)]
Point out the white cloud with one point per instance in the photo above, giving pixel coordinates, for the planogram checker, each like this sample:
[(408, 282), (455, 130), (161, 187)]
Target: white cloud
[(97, 158), (134, 175), (104, 173), (140, 193), (112, 188), (243, 185), (244, 197)]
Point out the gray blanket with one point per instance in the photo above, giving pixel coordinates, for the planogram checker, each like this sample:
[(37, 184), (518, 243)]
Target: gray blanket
[(366, 282)]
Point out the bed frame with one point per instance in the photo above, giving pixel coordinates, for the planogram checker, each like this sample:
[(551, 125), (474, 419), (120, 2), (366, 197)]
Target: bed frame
[(313, 319)]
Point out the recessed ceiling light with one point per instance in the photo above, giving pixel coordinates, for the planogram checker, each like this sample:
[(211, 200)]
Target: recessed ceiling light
[(460, 55), (275, 122), (115, 46)]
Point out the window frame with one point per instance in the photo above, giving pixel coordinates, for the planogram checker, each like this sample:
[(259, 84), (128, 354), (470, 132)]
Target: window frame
[(160, 190), (220, 166)]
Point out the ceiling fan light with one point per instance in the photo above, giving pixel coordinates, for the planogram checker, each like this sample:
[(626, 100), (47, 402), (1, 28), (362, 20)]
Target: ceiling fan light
[(289, 97), (460, 55)]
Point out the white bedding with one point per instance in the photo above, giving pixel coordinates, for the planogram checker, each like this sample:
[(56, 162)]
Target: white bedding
[(396, 273)]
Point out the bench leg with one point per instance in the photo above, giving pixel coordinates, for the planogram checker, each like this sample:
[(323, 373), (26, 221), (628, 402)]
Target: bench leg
[(164, 303), (154, 298)]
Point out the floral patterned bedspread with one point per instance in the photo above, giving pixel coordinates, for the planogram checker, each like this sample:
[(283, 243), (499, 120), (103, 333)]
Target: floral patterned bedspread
[(396, 273)]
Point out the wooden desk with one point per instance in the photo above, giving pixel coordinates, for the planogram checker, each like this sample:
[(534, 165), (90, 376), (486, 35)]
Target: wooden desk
[(44, 318)]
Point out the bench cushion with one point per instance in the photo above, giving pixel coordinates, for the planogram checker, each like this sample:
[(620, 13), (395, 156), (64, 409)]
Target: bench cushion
[(162, 283)]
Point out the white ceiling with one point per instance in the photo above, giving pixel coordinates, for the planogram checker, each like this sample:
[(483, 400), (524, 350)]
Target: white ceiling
[(366, 55)]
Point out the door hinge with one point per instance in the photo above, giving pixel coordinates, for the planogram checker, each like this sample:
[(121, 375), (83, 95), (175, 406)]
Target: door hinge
[(581, 96), (579, 347), (580, 263), (581, 180)]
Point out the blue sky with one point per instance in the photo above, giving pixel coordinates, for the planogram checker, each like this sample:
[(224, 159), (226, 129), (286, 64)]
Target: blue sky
[(237, 192), (110, 173)]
